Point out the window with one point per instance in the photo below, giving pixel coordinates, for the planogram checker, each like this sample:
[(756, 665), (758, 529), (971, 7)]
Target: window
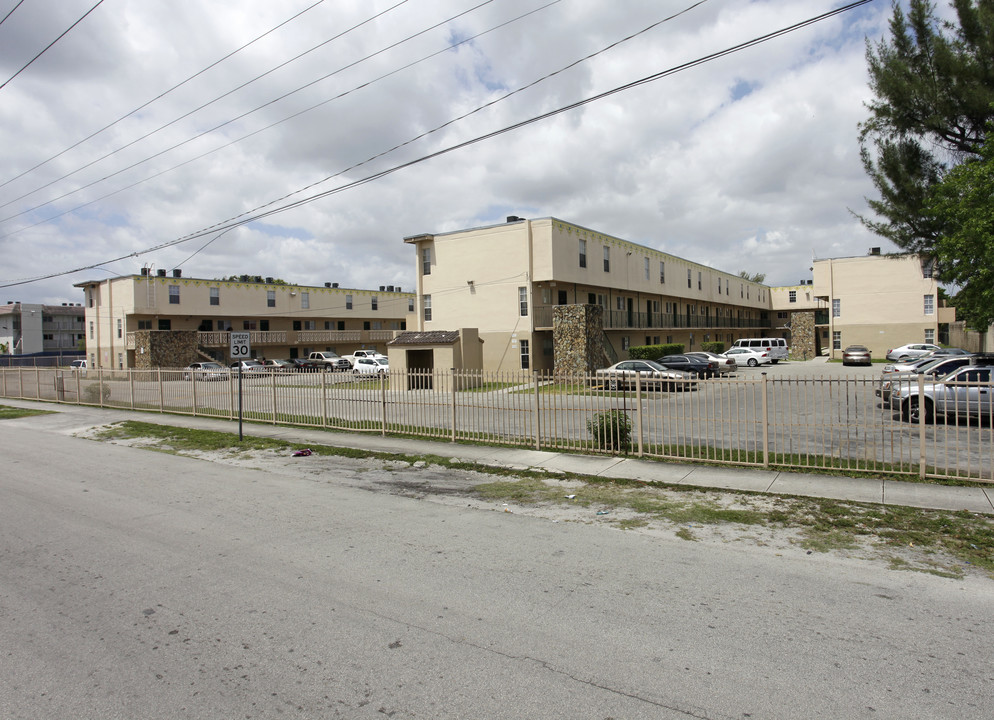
[(927, 269), (662, 271), (165, 324), (215, 296), (348, 302), (782, 315), (374, 303), (836, 339), (305, 300), (120, 361), (583, 253), (689, 281), (120, 329), (726, 287), (836, 307), (929, 305), (626, 342), (410, 304), (91, 298), (719, 286), (309, 325), (297, 326), (700, 284), (792, 296), (524, 354), (426, 261), (365, 324), (270, 298), (547, 347), (607, 259), (427, 306), (174, 294), (930, 335), (144, 324), (249, 325), (620, 302), (741, 290), (341, 324), (91, 329), (646, 264), (523, 301)]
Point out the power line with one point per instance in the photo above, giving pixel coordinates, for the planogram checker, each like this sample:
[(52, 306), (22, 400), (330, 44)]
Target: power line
[(157, 97), (235, 221), (99, 2), (19, 3)]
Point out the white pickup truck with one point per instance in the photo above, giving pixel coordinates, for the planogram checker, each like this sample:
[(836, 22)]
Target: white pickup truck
[(329, 361), (363, 354)]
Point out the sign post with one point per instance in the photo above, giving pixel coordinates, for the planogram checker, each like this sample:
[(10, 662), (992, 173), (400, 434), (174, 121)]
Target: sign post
[(241, 349)]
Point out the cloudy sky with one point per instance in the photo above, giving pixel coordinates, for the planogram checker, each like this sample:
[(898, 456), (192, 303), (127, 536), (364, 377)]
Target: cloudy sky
[(148, 124)]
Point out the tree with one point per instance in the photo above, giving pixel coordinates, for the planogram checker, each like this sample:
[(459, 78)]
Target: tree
[(964, 205), (933, 87), (756, 278)]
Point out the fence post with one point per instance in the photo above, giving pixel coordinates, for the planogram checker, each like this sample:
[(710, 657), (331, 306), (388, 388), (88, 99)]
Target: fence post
[(78, 388), (272, 377), (324, 401), (766, 423), (100, 386), (452, 408), (538, 412), (37, 383), (162, 391), (131, 387), (921, 426), (638, 410), (383, 404)]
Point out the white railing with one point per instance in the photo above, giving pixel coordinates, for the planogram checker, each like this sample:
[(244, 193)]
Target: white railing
[(835, 424)]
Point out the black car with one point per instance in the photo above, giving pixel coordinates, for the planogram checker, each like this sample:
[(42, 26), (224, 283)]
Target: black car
[(701, 367), (303, 365)]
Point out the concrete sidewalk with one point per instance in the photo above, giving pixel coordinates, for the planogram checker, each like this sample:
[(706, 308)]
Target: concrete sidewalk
[(69, 419)]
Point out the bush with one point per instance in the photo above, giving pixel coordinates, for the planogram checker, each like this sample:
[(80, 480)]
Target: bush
[(715, 347), (92, 393), (651, 352), (611, 430)]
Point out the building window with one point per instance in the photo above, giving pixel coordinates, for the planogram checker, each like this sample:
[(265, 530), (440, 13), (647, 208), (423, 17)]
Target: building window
[(792, 296), (782, 315), (174, 294), (120, 361), (836, 339), (620, 302), (341, 324), (309, 325), (607, 259), (700, 284), (426, 261), (927, 269), (427, 306), (583, 253), (719, 286), (742, 292), (144, 324), (836, 307), (120, 328), (410, 304), (215, 296), (374, 303), (929, 305), (547, 347), (91, 329), (662, 271), (930, 335), (626, 342), (523, 301), (348, 302), (689, 281), (165, 324), (249, 325), (524, 354), (305, 300), (646, 263), (270, 298), (365, 324)]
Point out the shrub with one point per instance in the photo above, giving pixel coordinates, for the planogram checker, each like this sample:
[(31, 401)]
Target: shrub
[(611, 430), (651, 352), (92, 393), (716, 347)]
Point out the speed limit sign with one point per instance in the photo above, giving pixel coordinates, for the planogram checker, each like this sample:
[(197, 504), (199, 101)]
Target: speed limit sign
[(240, 347)]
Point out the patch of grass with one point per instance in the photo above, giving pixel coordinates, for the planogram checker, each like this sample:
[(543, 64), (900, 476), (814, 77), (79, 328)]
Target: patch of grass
[(685, 534), (9, 413)]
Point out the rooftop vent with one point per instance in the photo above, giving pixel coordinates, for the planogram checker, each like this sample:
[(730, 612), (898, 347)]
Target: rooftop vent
[(334, 285), (389, 288), (383, 288), (327, 284), (144, 271), (269, 281), (161, 272), (177, 273), (514, 218), (874, 251), (398, 288)]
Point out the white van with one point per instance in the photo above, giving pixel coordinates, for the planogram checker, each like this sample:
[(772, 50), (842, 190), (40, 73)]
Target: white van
[(776, 347)]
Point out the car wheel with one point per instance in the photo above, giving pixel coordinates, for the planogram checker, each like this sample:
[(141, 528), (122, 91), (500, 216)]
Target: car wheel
[(753, 362), (774, 361), (911, 411), (613, 384), (355, 372)]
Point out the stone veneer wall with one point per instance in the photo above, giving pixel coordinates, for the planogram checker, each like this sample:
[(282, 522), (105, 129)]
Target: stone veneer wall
[(803, 343), (165, 348), (578, 339)]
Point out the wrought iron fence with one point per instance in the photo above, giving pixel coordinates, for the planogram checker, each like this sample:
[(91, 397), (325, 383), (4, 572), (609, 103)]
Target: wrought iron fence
[(804, 423)]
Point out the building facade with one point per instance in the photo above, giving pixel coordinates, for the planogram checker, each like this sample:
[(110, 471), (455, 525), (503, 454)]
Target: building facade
[(26, 329), (126, 316), (507, 279), (880, 301), (797, 314)]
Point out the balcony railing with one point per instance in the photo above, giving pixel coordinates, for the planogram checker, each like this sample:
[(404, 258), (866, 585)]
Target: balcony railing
[(624, 320), (221, 339)]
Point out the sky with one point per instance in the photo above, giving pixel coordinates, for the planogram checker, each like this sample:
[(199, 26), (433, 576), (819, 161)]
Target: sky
[(189, 134)]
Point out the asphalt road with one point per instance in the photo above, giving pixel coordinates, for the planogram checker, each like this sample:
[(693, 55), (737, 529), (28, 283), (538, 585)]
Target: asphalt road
[(138, 584)]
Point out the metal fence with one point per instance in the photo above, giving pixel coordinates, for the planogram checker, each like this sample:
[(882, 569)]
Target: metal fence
[(804, 423)]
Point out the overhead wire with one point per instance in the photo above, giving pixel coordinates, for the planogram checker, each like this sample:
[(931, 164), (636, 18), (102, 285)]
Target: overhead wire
[(258, 131), (239, 220), (49, 46), (19, 3), (160, 95)]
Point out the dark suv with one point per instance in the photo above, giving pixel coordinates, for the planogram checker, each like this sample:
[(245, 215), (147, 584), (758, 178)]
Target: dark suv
[(700, 366)]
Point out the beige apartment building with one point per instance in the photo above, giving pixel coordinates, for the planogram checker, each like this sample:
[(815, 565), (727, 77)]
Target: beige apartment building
[(160, 320), (797, 316), (880, 301), (29, 328), (506, 280)]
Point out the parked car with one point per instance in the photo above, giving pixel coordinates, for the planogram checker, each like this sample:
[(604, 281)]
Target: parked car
[(950, 351), (206, 371), (702, 367), (965, 392), (277, 365), (748, 356), (363, 354), (370, 366), (251, 368), (906, 365), (911, 350), (725, 364), (303, 365), (932, 367), (654, 376), (775, 348), (327, 360), (856, 355), (79, 367)]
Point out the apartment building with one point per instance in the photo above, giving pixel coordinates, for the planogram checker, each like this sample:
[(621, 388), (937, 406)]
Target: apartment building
[(880, 301), (797, 314), (28, 328), (159, 320), (508, 280)]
